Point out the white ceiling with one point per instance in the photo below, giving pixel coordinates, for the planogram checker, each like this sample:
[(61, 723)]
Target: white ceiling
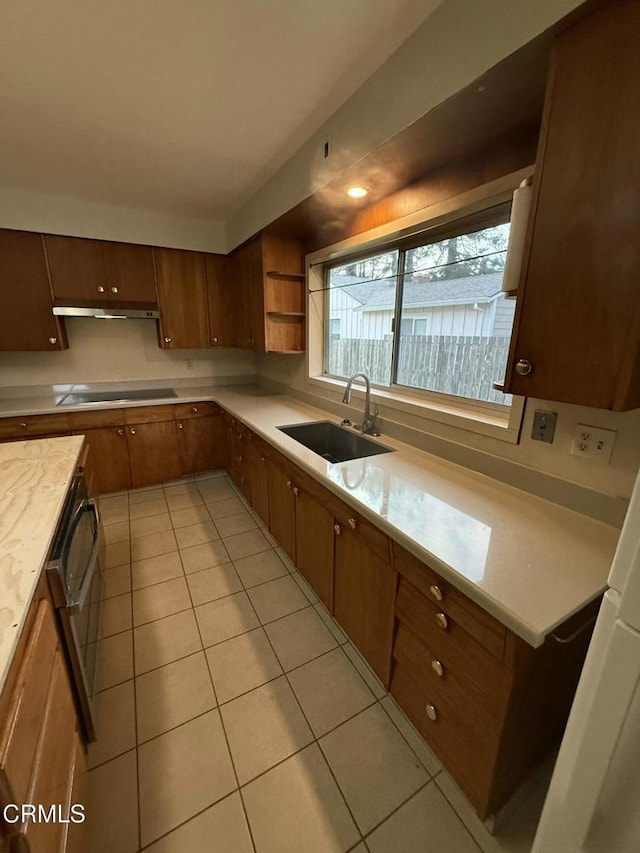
[(179, 106)]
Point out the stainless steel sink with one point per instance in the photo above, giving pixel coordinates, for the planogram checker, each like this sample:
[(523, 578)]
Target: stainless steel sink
[(334, 443)]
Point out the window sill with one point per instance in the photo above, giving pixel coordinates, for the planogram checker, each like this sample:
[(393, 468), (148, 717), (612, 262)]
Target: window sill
[(505, 427)]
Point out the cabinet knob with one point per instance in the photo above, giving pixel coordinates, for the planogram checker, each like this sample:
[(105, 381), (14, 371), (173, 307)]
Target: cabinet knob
[(132, 431), (432, 712), (442, 621), (353, 523), (263, 459), (289, 484), (100, 289), (524, 366), (240, 460), (436, 592), (53, 340), (167, 340), (296, 491), (114, 290), (338, 529), (180, 426), (437, 667), (194, 409), (23, 425), (214, 340), (120, 431)]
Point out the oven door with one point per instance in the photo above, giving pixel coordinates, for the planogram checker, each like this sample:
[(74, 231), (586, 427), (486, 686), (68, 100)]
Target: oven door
[(75, 582)]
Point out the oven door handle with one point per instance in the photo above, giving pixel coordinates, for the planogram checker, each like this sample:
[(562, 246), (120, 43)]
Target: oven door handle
[(88, 505)]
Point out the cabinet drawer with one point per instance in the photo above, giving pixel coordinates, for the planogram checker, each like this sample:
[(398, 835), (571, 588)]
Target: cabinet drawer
[(477, 622), (184, 411), (33, 425), (19, 734), (451, 674), (470, 659), (457, 735), (148, 414), (96, 419)]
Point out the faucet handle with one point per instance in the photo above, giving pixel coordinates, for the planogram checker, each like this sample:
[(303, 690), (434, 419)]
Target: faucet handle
[(346, 422)]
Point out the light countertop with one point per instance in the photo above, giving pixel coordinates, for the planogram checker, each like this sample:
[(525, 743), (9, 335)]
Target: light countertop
[(34, 477), (527, 561)]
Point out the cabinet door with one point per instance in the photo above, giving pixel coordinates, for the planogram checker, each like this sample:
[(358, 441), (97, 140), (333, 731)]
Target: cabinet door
[(109, 456), (26, 321), (282, 517), (578, 317), (222, 301), (77, 269), (259, 476), (249, 275), (364, 598), (153, 452), (130, 273), (201, 444), (314, 544), (183, 299)]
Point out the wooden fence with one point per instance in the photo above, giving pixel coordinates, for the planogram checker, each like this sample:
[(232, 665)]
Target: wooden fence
[(466, 366)]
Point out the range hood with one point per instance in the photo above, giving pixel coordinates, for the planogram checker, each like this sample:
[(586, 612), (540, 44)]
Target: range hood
[(105, 313)]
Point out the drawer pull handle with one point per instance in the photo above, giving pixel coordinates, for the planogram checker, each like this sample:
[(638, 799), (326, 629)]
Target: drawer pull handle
[(114, 290), (432, 712), (132, 431), (289, 484), (353, 523), (167, 340), (436, 592), (240, 459), (100, 288), (24, 425), (53, 341), (214, 340), (337, 529), (437, 667), (296, 491), (442, 621), (180, 426), (120, 431), (263, 459), (194, 410)]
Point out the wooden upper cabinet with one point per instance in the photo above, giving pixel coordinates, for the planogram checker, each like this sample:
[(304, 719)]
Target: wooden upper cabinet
[(577, 327), (182, 295), (129, 269), (26, 319), (94, 271), (222, 301)]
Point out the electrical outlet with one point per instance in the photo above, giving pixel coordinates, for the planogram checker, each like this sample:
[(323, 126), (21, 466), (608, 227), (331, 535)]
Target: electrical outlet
[(593, 443)]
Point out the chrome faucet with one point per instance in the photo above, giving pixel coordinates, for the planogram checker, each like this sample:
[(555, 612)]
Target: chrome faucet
[(368, 419)]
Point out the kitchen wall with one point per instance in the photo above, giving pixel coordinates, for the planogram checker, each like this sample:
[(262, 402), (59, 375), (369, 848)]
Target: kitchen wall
[(49, 214), (545, 469), (118, 350)]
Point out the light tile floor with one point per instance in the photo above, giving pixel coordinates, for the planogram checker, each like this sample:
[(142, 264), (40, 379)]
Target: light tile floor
[(234, 715)]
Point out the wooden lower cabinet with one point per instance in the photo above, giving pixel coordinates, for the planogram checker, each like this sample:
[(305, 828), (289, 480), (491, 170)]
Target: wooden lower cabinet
[(109, 459), (281, 503), (488, 704), (153, 453), (314, 543), (259, 477), (201, 444), (364, 592), (41, 757)]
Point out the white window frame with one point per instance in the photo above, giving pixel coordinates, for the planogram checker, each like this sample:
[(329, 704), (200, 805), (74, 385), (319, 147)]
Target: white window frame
[(490, 419)]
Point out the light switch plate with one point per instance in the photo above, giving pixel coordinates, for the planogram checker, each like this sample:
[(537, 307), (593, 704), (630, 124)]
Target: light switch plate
[(544, 426)]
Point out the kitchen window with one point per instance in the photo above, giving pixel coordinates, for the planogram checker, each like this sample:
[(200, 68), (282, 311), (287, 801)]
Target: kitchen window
[(427, 315)]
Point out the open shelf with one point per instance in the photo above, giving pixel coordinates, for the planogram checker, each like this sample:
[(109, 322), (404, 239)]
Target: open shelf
[(287, 351), (286, 276), (295, 315)]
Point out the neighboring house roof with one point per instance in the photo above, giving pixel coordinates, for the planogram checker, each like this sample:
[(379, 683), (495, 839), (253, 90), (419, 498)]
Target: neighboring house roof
[(380, 295)]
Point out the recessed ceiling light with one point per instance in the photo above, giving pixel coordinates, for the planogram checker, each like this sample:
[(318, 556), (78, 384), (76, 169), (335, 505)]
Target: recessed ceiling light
[(357, 192)]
